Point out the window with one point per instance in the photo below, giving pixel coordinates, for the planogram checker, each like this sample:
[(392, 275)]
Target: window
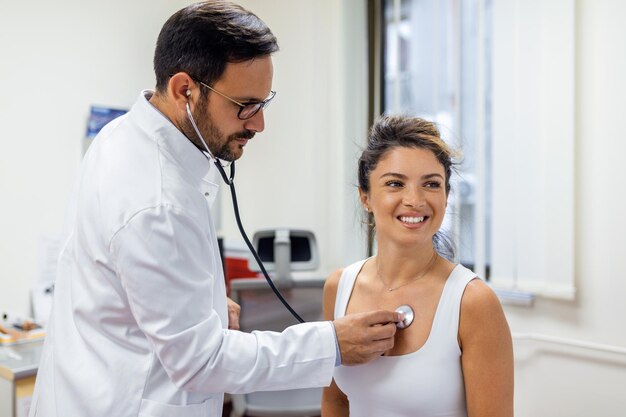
[(497, 77)]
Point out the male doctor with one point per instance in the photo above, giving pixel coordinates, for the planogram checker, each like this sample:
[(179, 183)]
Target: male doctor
[(140, 321)]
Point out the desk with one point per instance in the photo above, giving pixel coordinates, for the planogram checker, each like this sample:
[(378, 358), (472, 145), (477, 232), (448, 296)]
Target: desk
[(262, 310), (18, 368)]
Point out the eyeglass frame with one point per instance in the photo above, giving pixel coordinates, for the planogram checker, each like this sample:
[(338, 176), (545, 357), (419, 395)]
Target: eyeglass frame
[(261, 104)]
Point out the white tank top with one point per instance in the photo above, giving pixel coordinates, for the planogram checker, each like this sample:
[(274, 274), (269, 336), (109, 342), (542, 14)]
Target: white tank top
[(425, 383)]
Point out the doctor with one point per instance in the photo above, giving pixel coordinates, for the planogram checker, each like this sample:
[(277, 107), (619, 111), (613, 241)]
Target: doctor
[(140, 323)]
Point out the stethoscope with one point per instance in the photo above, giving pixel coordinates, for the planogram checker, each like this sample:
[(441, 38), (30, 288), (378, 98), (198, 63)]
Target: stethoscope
[(406, 310)]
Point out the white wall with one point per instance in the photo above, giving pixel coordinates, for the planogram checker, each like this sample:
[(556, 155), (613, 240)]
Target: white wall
[(60, 57), (555, 380), (301, 171)]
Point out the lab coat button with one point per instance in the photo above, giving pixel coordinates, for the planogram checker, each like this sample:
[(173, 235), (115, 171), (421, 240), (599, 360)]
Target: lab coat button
[(206, 194)]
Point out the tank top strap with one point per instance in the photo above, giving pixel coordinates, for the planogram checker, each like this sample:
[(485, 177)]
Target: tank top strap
[(345, 286), (446, 322)]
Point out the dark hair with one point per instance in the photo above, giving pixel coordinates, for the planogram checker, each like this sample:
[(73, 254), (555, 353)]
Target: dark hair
[(203, 37), (389, 132)]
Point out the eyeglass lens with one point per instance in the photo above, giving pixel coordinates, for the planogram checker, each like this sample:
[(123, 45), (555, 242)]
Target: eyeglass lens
[(249, 110)]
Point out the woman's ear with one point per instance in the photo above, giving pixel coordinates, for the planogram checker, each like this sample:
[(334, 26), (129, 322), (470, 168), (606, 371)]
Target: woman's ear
[(364, 198)]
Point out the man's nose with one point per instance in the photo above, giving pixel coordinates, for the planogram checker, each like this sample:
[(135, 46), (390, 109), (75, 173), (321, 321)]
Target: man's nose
[(256, 123)]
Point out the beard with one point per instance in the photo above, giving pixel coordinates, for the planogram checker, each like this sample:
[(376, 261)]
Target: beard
[(224, 148)]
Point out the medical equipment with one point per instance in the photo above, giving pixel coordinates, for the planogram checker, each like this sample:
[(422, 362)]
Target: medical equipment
[(408, 314), (229, 180)]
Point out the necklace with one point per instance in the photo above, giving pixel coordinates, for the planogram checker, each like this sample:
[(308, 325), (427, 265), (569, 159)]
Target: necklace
[(421, 274)]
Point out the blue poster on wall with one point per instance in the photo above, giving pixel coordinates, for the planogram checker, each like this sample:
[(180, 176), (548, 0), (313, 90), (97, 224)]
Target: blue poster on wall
[(100, 116)]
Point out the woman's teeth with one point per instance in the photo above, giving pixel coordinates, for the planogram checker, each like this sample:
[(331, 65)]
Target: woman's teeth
[(411, 219)]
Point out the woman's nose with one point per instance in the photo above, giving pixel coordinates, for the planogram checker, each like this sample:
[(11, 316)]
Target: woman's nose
[(414, 197)]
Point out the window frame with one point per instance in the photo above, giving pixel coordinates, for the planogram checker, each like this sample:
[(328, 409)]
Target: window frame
[(532, 101)]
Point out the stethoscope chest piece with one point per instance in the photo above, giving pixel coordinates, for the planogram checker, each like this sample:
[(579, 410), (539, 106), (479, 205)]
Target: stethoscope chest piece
[(409, 315)]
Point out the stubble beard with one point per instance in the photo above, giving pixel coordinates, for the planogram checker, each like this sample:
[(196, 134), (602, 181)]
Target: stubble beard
[(219, 147)]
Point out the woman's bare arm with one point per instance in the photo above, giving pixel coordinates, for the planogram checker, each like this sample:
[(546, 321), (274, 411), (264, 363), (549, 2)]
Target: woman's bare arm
[(334, 402), (487, 357)]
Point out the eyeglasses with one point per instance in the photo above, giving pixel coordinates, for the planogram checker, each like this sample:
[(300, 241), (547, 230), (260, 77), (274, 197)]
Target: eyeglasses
[(248, 109)]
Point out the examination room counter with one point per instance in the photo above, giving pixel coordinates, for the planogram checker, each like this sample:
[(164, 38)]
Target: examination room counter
[(18, 368)]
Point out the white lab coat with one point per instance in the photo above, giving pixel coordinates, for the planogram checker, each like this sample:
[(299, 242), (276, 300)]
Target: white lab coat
[(139, 322)]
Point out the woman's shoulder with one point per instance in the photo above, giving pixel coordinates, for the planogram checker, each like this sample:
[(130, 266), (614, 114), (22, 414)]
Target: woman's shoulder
[(476, 294), (330, 293), (481, 311), (334, 277), (479, 296), (332, 281)]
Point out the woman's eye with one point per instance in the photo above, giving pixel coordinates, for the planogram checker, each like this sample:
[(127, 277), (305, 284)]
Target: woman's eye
[(393, 184), (433, 184)]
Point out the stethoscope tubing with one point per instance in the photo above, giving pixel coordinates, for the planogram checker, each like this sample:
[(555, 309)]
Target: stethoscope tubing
[(406, 310), (230, 181), (251, 247)]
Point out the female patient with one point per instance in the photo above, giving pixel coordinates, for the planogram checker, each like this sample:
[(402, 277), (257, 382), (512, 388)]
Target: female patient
[(456, 358)]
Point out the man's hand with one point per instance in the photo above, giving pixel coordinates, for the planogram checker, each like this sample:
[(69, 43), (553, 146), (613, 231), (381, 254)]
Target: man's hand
[(363, 337), (233, 314)]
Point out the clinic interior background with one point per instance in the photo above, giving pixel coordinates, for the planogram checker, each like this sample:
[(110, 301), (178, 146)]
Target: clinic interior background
[(60, 57)]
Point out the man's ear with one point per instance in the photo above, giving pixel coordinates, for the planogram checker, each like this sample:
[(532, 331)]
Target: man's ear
[(180, 88)]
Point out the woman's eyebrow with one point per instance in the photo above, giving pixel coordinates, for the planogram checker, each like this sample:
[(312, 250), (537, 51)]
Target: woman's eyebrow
[(402, 176)]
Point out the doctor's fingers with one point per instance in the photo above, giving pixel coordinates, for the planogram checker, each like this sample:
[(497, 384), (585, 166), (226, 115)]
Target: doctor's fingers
[(380, 339), (365, 327), (234, 311), (381, 332), (381, 346), (358, 351), (372, 318)]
